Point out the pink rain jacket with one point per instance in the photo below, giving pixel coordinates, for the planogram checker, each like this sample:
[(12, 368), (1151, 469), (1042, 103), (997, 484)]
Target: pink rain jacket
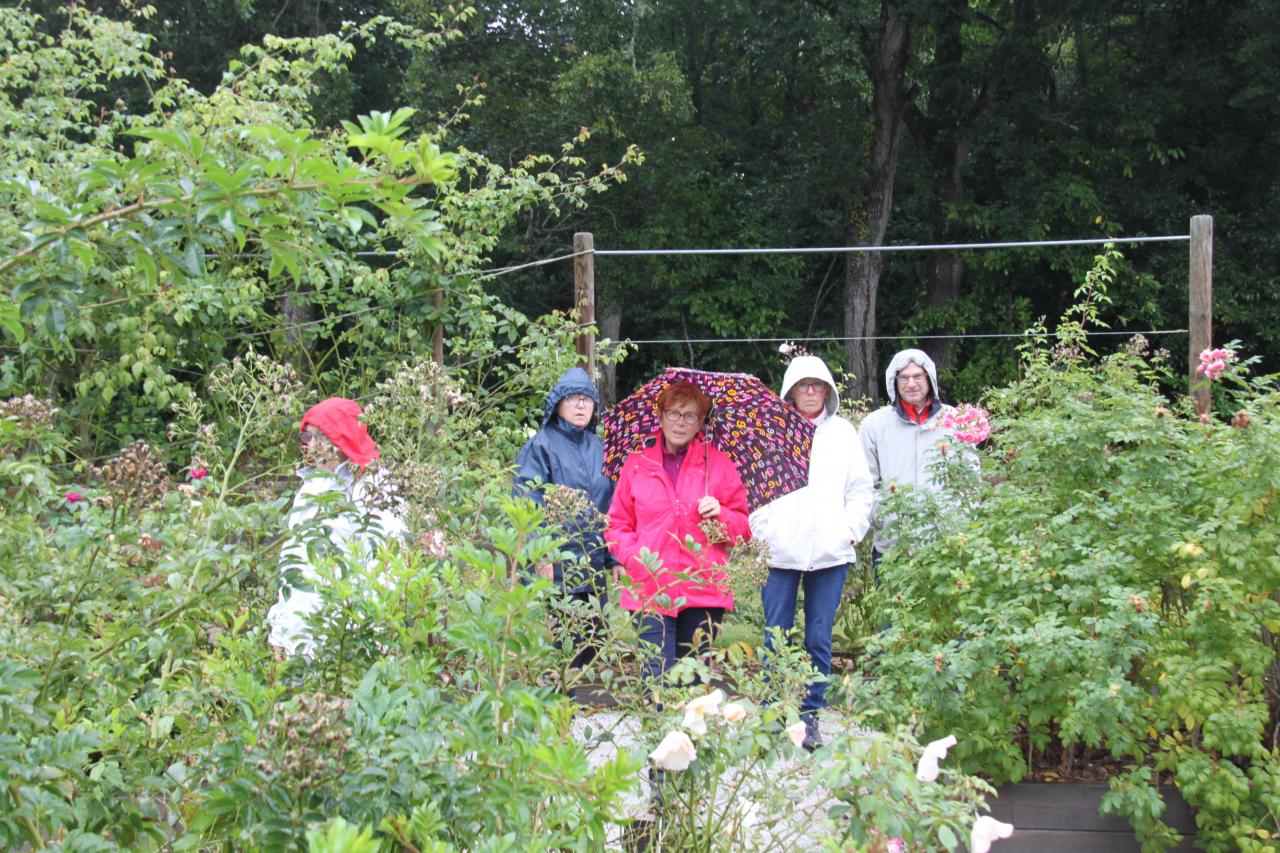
[(648, 513)]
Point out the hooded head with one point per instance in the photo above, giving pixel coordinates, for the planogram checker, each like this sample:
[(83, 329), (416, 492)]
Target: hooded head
[(339, 419), (811, 367), (574, 381), (899, 362)]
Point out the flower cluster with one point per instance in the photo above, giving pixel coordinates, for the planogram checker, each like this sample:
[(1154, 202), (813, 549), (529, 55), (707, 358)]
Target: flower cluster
[(310, 742), (790, 349), (970, 423), (136, 473), (30, 411), (1213, 362), (433, 541), (677, 751), (986, 829), (751, 562), (565, 505), (715, 531)]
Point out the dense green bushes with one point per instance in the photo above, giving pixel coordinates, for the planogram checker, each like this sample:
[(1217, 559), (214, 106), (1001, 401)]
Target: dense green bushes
[(1108, 585)]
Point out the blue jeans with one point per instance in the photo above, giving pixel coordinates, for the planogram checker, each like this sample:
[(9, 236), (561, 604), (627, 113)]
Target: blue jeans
[(822, 590), (673, 637)]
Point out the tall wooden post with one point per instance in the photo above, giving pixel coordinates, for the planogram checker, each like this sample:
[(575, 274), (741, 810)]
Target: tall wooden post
[(584, 297), (1200, 305)]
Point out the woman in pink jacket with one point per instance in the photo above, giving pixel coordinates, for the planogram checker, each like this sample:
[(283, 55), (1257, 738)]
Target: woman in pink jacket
[(664, 493)]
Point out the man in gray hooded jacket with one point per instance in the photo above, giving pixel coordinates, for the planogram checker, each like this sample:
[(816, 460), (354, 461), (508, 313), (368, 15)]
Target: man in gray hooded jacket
[(901, 439)]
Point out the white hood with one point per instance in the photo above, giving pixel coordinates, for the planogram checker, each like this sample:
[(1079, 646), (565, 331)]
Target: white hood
[(900, 361), (811, 367)]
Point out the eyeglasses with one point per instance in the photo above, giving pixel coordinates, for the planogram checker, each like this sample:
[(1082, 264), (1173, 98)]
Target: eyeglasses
[(672, 416), (917, 378), (578, 399), (811, 385)]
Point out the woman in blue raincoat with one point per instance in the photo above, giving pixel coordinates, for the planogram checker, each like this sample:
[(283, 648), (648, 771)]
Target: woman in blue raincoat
[(566, 453)]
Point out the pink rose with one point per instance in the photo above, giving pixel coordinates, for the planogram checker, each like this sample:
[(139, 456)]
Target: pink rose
[(199, 473), (74, 497), (1213, 363), (969, 422)]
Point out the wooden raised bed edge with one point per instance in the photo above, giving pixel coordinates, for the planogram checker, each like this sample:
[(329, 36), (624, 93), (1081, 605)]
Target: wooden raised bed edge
[(1063, 817)]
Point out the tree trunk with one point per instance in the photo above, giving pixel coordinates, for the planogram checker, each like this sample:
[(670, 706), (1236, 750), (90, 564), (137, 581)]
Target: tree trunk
[(947, 269), (296, 312), (886, 64), (944, 138)]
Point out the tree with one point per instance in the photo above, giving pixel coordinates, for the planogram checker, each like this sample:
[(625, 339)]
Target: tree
[(142, 247)]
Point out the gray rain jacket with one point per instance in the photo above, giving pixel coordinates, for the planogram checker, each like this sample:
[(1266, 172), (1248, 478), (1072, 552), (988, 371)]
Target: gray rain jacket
[(899, 450)]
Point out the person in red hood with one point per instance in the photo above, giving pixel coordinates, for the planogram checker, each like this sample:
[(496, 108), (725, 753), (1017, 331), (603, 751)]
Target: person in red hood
[(337, 452), (664, 494)]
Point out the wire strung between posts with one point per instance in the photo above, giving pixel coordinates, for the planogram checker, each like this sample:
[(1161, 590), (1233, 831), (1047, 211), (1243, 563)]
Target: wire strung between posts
[(892, 337), (931, 247)]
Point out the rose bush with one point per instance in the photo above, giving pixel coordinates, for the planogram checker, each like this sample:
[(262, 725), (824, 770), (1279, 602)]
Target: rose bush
[(1105, 588)]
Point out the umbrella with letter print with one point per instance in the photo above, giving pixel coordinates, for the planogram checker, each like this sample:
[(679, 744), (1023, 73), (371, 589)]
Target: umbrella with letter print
[(767, 440)]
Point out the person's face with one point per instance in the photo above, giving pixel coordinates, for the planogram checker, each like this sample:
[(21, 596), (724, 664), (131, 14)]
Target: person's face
[(318, 451), (680, 423), (576, 409), (809, 396), (913, 384)]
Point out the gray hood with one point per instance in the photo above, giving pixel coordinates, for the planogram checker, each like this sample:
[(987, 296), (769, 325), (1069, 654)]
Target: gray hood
[(900, 361), (811, 367)]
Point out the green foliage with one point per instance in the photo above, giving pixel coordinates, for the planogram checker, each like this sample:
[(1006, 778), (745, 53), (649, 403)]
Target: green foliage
[(1106, 587), (144, 243)]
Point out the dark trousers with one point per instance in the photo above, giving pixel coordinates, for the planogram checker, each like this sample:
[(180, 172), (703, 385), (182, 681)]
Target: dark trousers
[(822, 591), (691, 631)]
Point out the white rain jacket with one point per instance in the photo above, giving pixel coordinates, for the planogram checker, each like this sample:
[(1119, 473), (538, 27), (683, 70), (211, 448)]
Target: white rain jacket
[(352, 522), (816, 527), (898, 449)]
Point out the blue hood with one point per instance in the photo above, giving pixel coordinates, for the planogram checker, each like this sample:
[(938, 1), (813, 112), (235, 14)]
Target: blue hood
[(574, 381)]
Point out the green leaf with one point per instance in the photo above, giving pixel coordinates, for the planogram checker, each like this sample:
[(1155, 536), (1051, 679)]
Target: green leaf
[(10, 320)]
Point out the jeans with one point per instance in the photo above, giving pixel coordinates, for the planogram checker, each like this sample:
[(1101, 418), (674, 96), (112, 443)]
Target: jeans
[(822, 590), (673, 636)]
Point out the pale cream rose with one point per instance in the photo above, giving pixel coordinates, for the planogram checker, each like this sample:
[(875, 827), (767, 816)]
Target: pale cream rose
[(734, 713), (676, 752), (795, 732), (986, 830), (697, 710), (927, 769)]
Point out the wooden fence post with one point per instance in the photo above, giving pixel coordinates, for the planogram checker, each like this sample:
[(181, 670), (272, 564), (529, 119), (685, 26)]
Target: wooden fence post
[(1200, 306), (584, 297)]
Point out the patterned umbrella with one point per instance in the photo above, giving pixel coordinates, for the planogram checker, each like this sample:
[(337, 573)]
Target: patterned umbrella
[(767, 439)]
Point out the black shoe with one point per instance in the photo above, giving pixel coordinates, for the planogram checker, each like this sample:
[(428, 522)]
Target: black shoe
[(812, 737)]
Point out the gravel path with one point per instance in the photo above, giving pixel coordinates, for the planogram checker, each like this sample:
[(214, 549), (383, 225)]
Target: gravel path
[(782, 810)]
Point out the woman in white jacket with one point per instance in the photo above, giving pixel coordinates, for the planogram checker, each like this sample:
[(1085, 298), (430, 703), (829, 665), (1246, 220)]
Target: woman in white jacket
[(812, 533)]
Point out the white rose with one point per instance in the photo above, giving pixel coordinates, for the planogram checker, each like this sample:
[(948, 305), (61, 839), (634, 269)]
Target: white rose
[(675, 752), (927, 769), (733, 713), (987, 829), (796, 731), (698, 709)]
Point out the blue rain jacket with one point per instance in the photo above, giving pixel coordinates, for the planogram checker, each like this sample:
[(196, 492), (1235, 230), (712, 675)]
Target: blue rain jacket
[(564, 455)]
